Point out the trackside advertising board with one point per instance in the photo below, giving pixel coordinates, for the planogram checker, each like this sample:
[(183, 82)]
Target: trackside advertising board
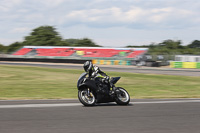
[(111, 62), (185, 65)]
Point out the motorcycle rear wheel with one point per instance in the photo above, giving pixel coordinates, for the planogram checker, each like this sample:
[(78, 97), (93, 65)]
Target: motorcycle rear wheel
[(122, 96), (85, 98)]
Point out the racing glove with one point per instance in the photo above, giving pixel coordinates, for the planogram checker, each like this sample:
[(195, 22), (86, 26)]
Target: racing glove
[(106, 79)]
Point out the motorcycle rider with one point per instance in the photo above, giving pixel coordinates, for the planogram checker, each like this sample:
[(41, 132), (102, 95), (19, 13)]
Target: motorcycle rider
[(95, 72)]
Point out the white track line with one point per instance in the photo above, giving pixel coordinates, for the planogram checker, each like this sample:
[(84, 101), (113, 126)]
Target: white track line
[(79, 104), (176, 101), (40, 105)]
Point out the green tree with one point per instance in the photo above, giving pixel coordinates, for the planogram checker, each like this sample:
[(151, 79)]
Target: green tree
[(171, 44), (13, 47), (194, 44), (171, 47), (72, 41), (2, 48), (85, 42), (44, 36)]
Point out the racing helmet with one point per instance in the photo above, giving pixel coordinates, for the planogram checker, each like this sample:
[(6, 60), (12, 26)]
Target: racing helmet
[(88, 66)]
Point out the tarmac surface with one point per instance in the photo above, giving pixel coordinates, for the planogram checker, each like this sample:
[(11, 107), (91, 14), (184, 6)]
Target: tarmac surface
[(69, 116), (118, 68)]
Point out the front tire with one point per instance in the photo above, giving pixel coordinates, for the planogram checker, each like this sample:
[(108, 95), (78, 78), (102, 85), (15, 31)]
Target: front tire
[(122, 96), (85, 98)]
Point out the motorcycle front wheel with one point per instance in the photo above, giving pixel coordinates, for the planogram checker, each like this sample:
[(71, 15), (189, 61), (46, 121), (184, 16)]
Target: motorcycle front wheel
[(86, 97), (122, 96)]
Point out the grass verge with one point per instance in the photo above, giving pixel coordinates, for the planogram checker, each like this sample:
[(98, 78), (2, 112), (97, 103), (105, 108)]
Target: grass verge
[(23, 82)]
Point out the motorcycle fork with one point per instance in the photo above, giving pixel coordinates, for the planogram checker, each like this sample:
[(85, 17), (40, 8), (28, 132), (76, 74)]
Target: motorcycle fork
[(88, 92), (112, 86), (115, 89)]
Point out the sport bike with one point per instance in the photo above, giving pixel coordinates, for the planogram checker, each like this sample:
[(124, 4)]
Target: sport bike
[(92, 91)]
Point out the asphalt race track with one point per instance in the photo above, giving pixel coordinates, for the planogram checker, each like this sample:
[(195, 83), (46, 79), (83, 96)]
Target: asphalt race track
[(69, 116), (132, 69)]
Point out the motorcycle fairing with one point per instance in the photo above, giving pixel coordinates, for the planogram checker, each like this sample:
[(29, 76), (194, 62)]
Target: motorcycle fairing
[(80, 79), (88, 83), (114, 80)]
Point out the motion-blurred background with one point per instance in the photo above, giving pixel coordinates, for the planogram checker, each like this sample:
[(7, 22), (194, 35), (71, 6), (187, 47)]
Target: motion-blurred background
[(146, 33)]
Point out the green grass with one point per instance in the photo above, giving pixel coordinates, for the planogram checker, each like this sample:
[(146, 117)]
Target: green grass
[(22, 82)]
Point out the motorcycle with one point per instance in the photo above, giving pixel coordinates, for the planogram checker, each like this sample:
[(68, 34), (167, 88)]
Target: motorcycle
[(92, 91)]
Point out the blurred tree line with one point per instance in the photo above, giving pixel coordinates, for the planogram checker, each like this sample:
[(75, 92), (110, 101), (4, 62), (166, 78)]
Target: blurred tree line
[(48, 36), (172, 47)]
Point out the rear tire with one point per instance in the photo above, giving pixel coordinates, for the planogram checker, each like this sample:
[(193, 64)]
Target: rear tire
[(122, 97), (85, 99)]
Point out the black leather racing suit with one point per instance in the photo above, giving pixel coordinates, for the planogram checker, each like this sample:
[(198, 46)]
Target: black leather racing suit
[(100, 76)]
